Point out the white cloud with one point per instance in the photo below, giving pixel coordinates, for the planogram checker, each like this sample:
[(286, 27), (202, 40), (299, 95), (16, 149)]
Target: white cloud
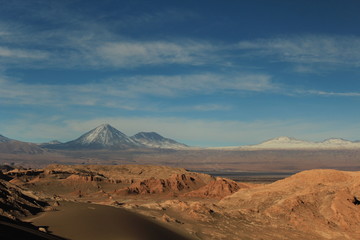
[(21, 53), (132, 93), (91, 44), (130, 53), (211, 107), (200, 83), (307, 49), (340, 94), (125, 92)]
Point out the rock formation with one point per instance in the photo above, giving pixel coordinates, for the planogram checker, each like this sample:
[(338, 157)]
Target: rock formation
[(15, 202), (219, 188)]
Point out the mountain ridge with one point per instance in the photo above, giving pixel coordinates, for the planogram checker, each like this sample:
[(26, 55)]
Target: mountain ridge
[(107, 137), (4, 139), (102, 137), (284, 142), (155, 140)]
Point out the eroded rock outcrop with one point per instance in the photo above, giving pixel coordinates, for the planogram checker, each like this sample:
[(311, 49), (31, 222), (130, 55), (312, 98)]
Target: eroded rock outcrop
[(174, 184), (15, 202), (218, 188), (121, 173)]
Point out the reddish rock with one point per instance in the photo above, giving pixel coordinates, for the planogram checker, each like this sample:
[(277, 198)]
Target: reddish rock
[(175, 184), (219, 188)]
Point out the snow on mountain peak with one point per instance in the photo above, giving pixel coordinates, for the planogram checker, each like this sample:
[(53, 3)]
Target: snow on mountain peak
[(4, 139), (283, 139), (107, 136), (293, 143), (149, 135), (336, 141), (155, 140)]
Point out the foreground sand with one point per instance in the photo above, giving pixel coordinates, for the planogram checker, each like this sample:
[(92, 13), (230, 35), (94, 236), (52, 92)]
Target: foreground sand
[(84, 221)]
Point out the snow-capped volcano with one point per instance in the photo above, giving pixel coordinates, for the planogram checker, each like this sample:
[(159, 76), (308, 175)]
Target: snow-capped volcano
[(104, 136), (108, 137), (155, 140), (4, 139)]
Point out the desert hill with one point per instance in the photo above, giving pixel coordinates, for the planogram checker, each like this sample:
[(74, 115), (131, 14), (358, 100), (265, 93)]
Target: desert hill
[(130, 172), (323, 202), (110, 183)]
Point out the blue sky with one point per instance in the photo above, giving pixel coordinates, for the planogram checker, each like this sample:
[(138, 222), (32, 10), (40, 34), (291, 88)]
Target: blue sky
[(206, 73)]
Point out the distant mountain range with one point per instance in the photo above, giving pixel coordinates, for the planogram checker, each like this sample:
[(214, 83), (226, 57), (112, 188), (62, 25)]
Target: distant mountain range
[(108, 137), (293, 143), (4, 139), (8, 145), (288, 143), (154, 140)]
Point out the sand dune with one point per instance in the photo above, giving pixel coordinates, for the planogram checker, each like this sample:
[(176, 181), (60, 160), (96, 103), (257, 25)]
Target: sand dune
[(82, 221), (10, 230)]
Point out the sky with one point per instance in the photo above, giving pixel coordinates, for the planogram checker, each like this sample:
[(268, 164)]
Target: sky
[(205, 73)]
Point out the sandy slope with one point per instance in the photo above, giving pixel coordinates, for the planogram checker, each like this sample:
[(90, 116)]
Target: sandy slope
[(10, 230), (82, 221)]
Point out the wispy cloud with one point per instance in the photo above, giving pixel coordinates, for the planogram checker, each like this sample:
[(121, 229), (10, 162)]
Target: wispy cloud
[(306, 49), (9, 53), (124, 54), (101, 48), (133, 93), (200, 83), (325, 93), (79, 40), (212, 107), (125, 92)]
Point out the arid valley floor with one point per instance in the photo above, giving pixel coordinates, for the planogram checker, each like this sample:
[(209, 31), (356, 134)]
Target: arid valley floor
[(160, 202)]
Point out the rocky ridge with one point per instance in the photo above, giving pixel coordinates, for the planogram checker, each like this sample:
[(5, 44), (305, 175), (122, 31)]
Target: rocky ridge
[(16, 202)]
